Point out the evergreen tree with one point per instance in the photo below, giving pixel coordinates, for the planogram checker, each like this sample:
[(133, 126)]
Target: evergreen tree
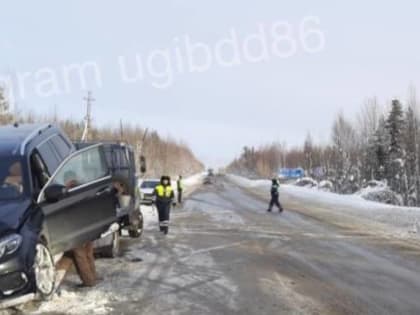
[(380, 151), (395, 127)]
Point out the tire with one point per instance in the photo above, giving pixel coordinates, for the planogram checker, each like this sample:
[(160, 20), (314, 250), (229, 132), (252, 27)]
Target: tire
[(114, 249), (44, 272), (136, 231)]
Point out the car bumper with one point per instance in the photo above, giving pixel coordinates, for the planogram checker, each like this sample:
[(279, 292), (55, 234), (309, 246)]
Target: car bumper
[(11, 302), (147, 200), (14, 279)]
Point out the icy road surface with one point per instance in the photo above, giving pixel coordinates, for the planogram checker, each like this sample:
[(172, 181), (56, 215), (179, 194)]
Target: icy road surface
[(226, 255)]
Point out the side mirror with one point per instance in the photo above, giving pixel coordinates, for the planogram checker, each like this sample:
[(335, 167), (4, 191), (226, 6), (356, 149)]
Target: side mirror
[(143, 167), (55, 193)]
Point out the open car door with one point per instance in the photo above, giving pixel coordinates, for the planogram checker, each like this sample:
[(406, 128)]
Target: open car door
[(78, 201)]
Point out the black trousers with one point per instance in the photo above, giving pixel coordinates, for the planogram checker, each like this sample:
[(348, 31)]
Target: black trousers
[(179, 195), (275, 201), (164, 210)]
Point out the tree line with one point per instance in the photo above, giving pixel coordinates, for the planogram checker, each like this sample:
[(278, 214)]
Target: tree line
[(163, 155), (380, 144)]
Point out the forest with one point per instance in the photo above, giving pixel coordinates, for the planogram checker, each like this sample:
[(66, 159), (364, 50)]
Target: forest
[(379, 145)]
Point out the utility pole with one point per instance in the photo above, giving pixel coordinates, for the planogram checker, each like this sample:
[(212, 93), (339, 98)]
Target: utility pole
[(55, 118), (121, 131), (88, 118)]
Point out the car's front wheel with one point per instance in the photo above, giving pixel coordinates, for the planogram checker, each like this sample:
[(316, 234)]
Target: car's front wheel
[(44, 272)]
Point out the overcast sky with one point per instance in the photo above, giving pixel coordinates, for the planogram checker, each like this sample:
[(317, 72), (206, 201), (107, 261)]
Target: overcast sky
[(246, 91)]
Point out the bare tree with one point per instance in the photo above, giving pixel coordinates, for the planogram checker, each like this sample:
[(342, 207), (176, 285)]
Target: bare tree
[(5, 115)]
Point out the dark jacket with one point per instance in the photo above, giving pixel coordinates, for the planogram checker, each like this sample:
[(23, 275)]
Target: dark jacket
[(275, 188)]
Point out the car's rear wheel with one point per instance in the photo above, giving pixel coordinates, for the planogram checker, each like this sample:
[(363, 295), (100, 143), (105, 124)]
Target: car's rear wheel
[(114, 249), (44, 272)]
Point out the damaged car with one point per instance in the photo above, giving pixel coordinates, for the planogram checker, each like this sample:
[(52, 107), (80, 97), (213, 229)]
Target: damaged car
[(53, 198)]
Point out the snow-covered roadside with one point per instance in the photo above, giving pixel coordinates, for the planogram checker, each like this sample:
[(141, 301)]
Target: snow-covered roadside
[(398, 221), (194, 180)]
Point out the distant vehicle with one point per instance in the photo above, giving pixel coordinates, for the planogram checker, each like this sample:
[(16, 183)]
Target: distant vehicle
[(147, 188), (208, 180), (210, 172), (52, 199), (291, 173)]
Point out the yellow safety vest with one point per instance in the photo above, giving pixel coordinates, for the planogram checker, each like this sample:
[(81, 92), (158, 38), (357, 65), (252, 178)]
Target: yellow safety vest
[(180, 184), (164, 191)]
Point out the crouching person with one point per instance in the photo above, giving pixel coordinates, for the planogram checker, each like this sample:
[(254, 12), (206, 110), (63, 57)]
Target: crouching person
[(164, 197), (84, 261)]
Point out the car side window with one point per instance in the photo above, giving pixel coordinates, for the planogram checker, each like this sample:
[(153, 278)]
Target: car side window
[(39, 172), (83, 168), (61, 146), (120, 158), (49, 157)]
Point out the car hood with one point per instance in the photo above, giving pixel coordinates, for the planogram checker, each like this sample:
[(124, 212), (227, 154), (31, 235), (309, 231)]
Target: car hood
[(12, 214), (147, 190)]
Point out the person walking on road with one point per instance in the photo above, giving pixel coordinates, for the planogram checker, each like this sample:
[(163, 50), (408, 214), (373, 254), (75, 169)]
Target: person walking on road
[(275, 196), (180, 188), (164, 197)]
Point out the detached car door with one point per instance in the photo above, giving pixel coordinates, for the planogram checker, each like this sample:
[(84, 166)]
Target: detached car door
[(87, 208)]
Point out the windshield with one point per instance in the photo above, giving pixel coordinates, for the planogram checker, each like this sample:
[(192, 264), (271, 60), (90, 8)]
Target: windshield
[(11, 178), (149, 184)]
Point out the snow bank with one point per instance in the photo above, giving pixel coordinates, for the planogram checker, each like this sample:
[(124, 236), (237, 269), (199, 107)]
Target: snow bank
[(193, 180), (398, 221)]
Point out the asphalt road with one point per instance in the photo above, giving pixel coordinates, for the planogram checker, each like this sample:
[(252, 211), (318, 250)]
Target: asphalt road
[(226, 255)]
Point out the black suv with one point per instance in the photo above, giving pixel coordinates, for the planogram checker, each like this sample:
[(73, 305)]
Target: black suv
[(52, 199)]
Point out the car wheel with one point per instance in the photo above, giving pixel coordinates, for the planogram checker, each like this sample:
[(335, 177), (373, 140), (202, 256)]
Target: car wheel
[(136, 230), (44, 272), (113, 250)]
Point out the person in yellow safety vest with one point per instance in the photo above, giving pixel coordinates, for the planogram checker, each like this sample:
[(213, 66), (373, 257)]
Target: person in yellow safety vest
[(180, 188), (164, 197)]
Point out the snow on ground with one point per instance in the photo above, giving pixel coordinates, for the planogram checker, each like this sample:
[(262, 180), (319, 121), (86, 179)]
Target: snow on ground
[(148, 269), (400, 221), (192, 181), (209, 204)]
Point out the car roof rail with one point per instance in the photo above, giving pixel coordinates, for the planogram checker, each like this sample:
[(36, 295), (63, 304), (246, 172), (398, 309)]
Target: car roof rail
[(32, 135)]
